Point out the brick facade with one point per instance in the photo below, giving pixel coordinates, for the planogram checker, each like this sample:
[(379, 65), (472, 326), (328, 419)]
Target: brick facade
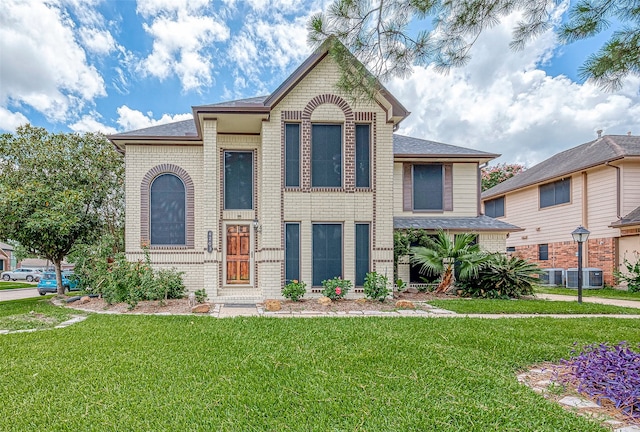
[(597, 253)]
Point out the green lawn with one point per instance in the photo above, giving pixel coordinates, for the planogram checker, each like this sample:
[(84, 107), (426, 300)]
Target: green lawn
[(602, 293), (486, 306), (32, 313), (14, 285), (174, 373)]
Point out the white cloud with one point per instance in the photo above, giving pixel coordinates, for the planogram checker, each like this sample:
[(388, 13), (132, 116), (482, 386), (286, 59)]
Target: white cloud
[(502, 103), (9, 121), (183, 34), (97, 41), (46, 70), (90, 123), (130, 119)]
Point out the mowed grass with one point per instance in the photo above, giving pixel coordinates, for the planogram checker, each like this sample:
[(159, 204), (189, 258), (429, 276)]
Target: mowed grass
[(610, 293), (525, 306), (32, 313), (15, 285), (177, 373)]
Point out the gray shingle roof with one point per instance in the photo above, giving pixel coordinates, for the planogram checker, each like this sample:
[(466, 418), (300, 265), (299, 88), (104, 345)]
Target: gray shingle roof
[(254, 101), (5, 246), (632, 218), (479, 223), (184, 128), (593, 153), (409, 146)]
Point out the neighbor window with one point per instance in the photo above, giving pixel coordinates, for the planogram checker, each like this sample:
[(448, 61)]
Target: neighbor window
[(327, 252), (326, 155), (362, 253), (292, 154), (363, 155), (292, 251), (427, 187), (494, 208), (238, 180), (167, 211), (543, 252), (558, 192)]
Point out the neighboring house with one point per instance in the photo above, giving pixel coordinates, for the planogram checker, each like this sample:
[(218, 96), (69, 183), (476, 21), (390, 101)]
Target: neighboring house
[(596, 184), (6, 253), (301, 184), (43, 264)]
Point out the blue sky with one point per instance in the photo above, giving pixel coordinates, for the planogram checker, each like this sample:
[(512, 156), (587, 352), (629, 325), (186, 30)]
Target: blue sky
[(85, 65)]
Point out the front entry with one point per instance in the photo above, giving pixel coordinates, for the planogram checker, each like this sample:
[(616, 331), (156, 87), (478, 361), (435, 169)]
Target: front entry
[(238, 254)]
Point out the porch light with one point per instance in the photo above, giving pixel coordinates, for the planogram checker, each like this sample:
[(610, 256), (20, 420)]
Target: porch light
[(256, 225), (580, 235)]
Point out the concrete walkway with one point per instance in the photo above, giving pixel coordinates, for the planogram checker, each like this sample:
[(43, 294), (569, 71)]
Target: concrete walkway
[(18, 293), (605, 301)]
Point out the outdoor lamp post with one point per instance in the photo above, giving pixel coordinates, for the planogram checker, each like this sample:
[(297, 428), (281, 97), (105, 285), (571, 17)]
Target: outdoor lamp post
[(580, 234)]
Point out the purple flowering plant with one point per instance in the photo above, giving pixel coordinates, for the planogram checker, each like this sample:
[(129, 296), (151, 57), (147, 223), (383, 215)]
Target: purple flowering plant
[(606, 373)]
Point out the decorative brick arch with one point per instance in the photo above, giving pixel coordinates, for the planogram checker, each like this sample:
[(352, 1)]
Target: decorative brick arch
[(145, 201), (349, 140)]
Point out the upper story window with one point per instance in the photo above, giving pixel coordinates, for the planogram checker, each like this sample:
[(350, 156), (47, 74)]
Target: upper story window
[(167, 211), (427, 187), (326, 155), (494, 208), (292, 154), (238, 180), (363, 156), (557, 192)]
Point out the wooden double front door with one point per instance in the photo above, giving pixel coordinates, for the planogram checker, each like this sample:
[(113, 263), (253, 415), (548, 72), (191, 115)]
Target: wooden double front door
[(238, 257)]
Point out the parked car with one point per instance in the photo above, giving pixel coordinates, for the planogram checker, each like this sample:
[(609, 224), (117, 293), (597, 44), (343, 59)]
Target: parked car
[(29, 275), (48, 283)]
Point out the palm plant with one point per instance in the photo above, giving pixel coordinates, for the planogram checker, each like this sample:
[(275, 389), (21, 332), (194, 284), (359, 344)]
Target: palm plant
[(442, 253)]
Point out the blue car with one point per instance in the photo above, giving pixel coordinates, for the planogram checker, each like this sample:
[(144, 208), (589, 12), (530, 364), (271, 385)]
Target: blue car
[(48, 283)]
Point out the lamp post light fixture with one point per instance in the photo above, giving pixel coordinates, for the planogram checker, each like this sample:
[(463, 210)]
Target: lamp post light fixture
[(580, 235)]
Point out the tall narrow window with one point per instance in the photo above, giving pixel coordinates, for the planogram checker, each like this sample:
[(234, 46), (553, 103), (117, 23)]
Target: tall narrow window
[(326, 155), (292, 154), (428, 187), (292, 252), (543, 252), (167, 211), (327, 252), (363, 155), (362, 253), (238, 180)]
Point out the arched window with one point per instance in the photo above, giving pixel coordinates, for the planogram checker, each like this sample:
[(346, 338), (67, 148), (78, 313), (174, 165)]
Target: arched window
[(167, 211)]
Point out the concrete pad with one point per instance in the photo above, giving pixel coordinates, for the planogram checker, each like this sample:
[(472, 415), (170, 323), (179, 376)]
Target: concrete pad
[(230, 312), (577, 402), (628, 429)]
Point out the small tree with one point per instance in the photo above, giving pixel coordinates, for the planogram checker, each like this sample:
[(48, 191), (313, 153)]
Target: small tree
[(54, 188), (441, 254), (494, 175), (632, 276)]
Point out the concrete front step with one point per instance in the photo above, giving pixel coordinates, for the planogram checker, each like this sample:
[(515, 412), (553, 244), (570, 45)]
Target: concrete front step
[(237, 299)]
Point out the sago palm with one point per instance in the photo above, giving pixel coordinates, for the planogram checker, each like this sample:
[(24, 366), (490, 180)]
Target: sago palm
[(441, 254)]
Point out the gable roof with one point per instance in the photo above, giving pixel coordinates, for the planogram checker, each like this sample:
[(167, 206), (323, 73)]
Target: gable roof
[(260, 106), (593, 153)]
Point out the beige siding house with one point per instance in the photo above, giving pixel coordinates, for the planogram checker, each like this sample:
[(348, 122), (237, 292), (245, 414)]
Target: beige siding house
[(596, 184), (300, 184)]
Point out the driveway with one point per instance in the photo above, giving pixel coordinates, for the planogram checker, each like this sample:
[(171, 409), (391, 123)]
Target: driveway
[(20, 293)]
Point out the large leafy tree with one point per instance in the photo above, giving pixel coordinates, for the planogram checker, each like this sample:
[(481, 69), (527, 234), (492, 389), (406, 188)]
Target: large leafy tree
[(496, 174), (57, 190), (442, 253), (380, 34)]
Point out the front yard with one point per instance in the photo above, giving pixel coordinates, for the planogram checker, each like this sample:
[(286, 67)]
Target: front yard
[(250, 374)]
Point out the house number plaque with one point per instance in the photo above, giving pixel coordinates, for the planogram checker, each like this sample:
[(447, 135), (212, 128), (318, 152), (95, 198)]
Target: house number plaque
[(209, 241)]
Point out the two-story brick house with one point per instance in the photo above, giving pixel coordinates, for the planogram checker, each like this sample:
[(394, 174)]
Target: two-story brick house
[(300, 184), (596, 184)]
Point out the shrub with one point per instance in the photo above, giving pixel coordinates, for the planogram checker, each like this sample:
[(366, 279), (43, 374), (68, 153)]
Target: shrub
[(401, 285), (375, 286), (294, 290), (201, 295), (606, 373), (501, 277), (633, 277), (336, 288)]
